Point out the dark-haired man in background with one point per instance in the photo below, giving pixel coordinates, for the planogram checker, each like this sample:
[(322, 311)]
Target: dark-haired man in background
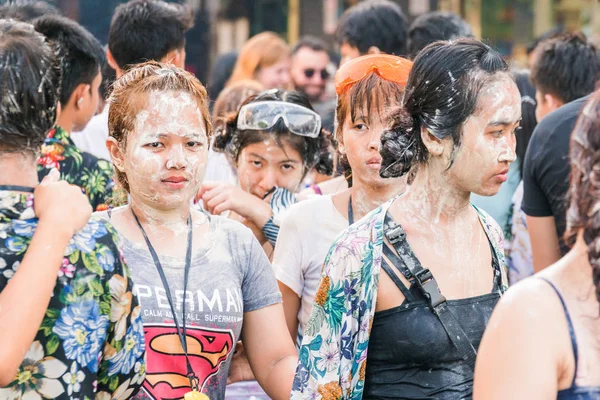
[(81, 58), (140, 30), (434, 26), (310, 75), (371, 27), (565, 70)]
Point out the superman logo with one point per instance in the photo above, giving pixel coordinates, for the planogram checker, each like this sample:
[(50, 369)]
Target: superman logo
[(166, 367)]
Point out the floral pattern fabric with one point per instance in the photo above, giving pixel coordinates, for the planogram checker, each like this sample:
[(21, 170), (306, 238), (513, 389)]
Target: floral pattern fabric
[(79, 168), (91, 341), (333, 354), (518, 245)]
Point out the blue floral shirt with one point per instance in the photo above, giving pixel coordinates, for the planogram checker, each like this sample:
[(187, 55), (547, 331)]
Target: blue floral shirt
[(333, 354), (91, 341)]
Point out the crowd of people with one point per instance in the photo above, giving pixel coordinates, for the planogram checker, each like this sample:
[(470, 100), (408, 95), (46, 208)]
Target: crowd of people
[(310, 224)]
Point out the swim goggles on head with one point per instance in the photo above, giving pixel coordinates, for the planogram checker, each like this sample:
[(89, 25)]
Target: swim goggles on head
[(389, 67), (262, 115)]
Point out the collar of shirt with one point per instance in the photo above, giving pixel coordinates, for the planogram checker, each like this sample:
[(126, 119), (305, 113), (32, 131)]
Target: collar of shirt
[(58, 134), (15, 206)]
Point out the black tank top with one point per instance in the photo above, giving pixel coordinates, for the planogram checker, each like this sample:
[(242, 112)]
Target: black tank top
[(410, 354)]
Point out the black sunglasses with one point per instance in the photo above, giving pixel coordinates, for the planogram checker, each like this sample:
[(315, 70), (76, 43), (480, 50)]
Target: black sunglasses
[(311, 71)]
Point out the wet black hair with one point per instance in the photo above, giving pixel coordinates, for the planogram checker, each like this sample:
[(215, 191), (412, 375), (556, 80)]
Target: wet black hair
[(144, 30), (315, 152), (30, 87), (80, 52), (312, 42), (26, 10), (528, 119), (434, 26), (566, 66), (379, 23), (441, 93)]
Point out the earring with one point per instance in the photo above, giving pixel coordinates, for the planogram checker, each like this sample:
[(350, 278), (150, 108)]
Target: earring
[(79, 101)]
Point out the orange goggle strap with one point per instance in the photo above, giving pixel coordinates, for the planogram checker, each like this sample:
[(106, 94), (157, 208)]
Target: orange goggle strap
[(389, 67)]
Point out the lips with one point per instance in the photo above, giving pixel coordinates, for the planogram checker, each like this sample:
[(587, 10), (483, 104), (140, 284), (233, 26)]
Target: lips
[(175, 181), (502, 176), (374, 162)]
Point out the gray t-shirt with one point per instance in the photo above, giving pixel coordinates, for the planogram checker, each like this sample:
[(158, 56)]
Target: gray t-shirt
[(229, 276)]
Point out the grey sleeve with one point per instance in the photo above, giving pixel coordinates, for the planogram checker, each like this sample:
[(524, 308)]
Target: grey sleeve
[(259, 286)]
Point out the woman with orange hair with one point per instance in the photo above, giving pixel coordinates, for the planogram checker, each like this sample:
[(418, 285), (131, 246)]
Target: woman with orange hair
[(266, 58), (367, 87)]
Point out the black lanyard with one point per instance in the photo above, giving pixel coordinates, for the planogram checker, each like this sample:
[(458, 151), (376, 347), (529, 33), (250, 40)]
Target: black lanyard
[(350, 211), (181, 332), (17, 188)]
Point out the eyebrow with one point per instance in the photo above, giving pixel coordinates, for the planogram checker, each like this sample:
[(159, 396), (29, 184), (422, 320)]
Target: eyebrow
[(256, 155), (280, 162), (503, 123), (166, 135)]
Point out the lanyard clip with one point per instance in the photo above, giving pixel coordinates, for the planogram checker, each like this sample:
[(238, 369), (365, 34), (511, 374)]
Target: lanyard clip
[(193, 381)]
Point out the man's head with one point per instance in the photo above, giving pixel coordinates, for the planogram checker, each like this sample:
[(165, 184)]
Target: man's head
[(143, 30), (434, 26), (30, 85), (370, 27), (309, 67), (81, 58), (26, 10), (564, 69), (551, 34)]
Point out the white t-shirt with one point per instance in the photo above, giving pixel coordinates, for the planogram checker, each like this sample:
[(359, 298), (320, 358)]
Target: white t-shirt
[(92, 139), (307, 231), (218, 168)]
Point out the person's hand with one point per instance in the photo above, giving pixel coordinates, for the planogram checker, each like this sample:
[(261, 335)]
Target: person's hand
[(61, 204), (239, 369), (219, 197)]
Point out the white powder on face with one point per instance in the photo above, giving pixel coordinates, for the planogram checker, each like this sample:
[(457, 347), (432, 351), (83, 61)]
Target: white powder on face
[(173, 121)]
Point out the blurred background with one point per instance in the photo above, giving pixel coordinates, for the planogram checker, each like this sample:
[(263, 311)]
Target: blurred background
[(224, 25)]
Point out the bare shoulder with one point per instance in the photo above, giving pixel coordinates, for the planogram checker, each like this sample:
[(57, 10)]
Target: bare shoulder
[(529, 301)]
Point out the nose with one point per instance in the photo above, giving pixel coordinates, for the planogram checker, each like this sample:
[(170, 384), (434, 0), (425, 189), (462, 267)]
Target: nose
[(176, 158), (268, 180), (507, 152), (316, 78), (374, 139)]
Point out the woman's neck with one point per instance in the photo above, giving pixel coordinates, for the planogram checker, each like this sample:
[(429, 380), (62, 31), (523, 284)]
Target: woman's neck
[(149, 215), (434, 197), (367, 197), (18, 169)]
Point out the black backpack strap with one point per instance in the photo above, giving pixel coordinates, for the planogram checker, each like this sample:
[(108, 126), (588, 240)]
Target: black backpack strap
[(426, 282)]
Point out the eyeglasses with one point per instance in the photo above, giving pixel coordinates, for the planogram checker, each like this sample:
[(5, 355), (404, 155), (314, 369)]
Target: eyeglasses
[(309, 72), (389, 67), (263, 115)]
